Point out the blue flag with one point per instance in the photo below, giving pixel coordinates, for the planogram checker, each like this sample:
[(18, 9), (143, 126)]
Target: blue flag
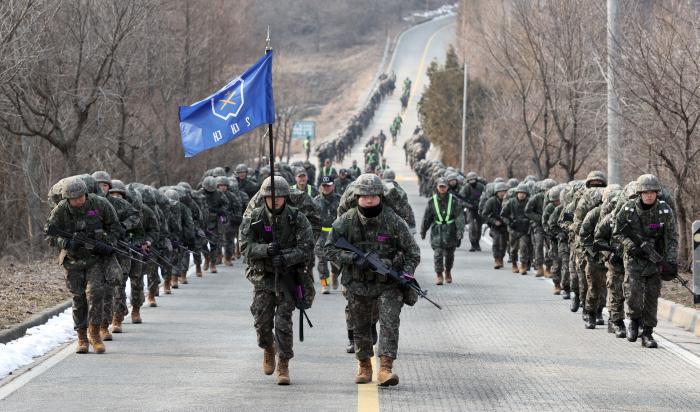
[(243, 104)]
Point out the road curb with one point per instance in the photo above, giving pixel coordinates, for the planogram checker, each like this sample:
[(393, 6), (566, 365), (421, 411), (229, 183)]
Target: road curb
[(18, 331), (682, 316)]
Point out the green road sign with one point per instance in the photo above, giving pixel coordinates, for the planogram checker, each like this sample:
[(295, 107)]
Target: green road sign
[(304, 128)]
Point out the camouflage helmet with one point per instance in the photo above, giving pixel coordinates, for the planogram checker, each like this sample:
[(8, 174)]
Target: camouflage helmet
[(554, 193), (648, 183), (117, 186), (218, 171), (452, 176), (223, 180), (172, 194), (547, 184), (74, 189), (209, 183), (498, 180), (101, 176), (185, 185), (596, 175), (512, 182), (369, 184), (500, 187), (134, 197), (241, 168), (281, 187), (389, 175), (522, 188), (90, 183), (472, 176), (530, 178), (147, 196)]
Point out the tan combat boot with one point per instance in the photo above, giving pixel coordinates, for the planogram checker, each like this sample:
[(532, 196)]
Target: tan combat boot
[(514, 268), (198, 270), (117, 323), (95, 340), (136, 314), (183, 278), (438, 281), (173, 281), (212, 268), (386, 377), (448, 276), (104, 331), (540, 272), (206, 263), (547, 272), (151, 299), (283, 372), (166, 286), (82, 341), (523, 269), (498, 263), (218, 260), (557, 288), (227, 261), (364, 371), (269, 360)]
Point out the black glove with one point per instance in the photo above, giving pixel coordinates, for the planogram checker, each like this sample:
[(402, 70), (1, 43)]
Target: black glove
[(274, 249), (72, 244), (279, 261), (361, 263), (637, 251), (103, 249)]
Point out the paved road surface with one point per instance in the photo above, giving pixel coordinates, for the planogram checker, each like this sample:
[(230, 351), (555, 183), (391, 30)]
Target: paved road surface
[(502, 342)]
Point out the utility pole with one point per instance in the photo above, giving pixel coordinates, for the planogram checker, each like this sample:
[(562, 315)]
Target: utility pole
[(464, 119), (615, 152)]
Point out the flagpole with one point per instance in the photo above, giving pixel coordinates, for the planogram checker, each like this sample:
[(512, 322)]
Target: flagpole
[(268, 49)]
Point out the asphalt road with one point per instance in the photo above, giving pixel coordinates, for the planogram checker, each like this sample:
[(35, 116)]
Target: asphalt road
[(502, 342)]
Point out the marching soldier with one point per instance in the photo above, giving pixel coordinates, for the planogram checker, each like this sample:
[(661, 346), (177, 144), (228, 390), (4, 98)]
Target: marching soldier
[(327, 170), (215, 216), (302, 183), (370, 226), (470, 194), (443, 216), (327, 203), (497, 227), (276, 237), (513, 214)]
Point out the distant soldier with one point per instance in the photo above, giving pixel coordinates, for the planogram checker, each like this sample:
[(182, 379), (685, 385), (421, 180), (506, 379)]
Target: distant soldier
[(88, 269), (497, 227), (327, 203), (277, 240), (648, 231), (355, 171), (372, 227), (244, 182), (513, 214), (443, 216), (343, 181), (307, 146), (327, 170), (302, 183), (215, 217), (470, 194)]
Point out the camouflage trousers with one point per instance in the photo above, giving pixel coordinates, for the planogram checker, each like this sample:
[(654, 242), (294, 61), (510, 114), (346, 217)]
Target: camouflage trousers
[(109, 306), (616, 297), (641, 297), (348, 316), (152, 277), (87, 286), (213, 251), (361, 308), (475, 223), (230, 235), (550, 251), (519, 246), (537, 236), (200, 244), (135, 277), (554, 262), (561, 265), (595, 280), (443, 258), (573, 269), (498, 247), (274, 312), (322, 261), (581, 265)]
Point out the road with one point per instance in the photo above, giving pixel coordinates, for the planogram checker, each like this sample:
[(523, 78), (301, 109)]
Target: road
[(502, 342)]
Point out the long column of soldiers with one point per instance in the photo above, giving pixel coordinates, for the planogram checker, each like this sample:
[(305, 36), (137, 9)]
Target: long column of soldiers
[(600, 244)]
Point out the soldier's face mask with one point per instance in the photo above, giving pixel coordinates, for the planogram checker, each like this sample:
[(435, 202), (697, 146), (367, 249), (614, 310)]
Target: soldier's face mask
[(596, 183), (116, 194), (78, 201), (649, 197)]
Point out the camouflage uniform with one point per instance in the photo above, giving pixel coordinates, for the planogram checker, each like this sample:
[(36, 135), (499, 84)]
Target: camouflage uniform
[(595, 268), (636, 223), (534, 210), (234, 216), (328, 207), (443, 216), (491, 212), (604, 240), (560, 265), (273, 305), (342, 183), (214, 216), (470, 194), (513, 214)]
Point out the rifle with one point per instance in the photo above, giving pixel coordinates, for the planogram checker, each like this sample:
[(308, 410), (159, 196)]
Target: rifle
[(88, 242), (295, 287), (180, 245), (376, 265), (149, 257), (160, 258)]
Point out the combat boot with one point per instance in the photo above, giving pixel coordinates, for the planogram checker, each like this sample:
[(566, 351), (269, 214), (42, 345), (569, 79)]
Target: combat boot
[(599, 317), (448, 275), (386, 377), (183, 279), (514, 267), (566, 295), (575, 303), (620, 331), (589, 319), (611, 327), (173, 281), (547, 272), (166, 286), (633, 330), (539, 273), (95, 340), (117, 323), (269, 360), (227, 261), (364, 371), (334, 281), (82, 346), (136, 314), (439, 279), (151, 299), (283, 372), (212, 268), (523, 269), (557, 288), (498, 264), (198, 270), (206, 263), (647, 338), (104, 331), (218, 260), (473, 248), (351, 342)]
